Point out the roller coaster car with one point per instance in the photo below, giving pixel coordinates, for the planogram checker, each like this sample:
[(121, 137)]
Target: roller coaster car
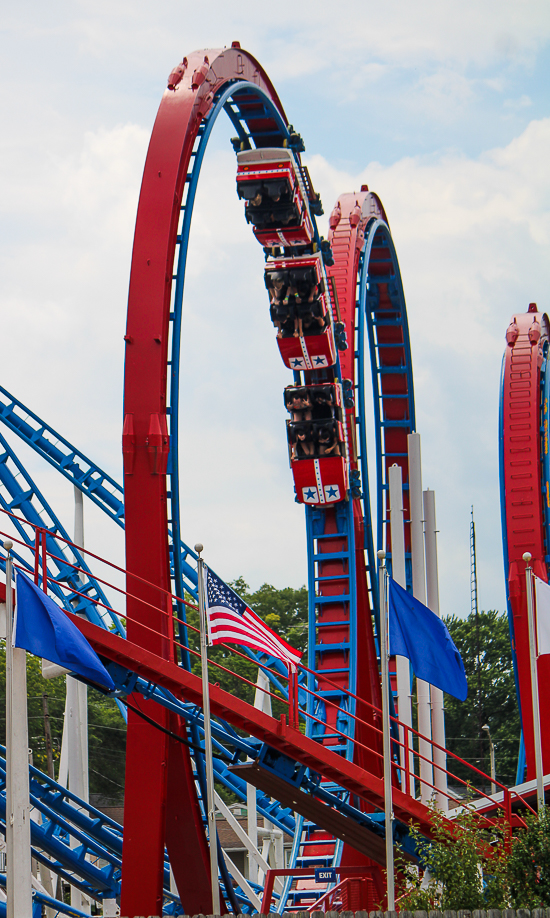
[(300, 311), (270, 182), (317, 443)]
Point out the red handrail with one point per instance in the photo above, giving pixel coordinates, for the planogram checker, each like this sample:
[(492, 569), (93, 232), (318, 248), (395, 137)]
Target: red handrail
[(295, 711)]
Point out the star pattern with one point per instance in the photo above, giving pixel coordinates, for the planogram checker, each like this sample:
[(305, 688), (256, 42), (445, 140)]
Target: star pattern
[(219, 594)]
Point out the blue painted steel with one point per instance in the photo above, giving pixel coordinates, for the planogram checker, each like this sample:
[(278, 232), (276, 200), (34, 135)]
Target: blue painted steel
[(522, 760), (41, 899), (315, 532), (372, 561), (71, 462), (377, 235), (19, 495), (107, 494), (44, 517), (77, 468), (226, 99)]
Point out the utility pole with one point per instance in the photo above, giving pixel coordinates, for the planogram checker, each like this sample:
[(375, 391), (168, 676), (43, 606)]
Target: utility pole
[(48, 734)]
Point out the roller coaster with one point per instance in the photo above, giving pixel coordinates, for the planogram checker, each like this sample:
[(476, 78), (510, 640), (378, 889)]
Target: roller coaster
[(317, 769)]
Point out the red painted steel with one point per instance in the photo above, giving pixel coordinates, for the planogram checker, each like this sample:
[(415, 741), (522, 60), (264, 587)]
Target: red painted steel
[(277, 733), (150, 761), (359, 874), (309, 352), (527, 337), (347, 237)]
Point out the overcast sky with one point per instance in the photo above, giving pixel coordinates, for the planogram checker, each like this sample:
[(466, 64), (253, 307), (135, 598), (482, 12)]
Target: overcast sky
[(441, 108)]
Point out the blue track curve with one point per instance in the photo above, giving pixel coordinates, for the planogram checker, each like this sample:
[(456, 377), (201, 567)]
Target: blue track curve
[(105, 492)]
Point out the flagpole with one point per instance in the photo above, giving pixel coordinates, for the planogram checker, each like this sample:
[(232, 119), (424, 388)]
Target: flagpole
[(388, 804), (18, 817), (534, 682), (212, 834)]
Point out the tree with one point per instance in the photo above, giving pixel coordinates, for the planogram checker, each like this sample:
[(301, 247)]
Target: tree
[(285, 611), (474, 864), (106, 730), (496, 703), (463, 866)]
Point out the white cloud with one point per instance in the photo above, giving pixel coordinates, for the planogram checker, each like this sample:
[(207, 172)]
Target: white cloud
[(471, 235), (517, 104)]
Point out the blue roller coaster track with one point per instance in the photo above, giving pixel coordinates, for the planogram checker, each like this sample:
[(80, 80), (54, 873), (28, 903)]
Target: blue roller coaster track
[(19, 495)]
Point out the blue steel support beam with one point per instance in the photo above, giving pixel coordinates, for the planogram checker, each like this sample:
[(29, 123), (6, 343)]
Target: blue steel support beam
[(19, 495)]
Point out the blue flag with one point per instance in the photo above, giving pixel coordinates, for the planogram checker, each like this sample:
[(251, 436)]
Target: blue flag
[(43, 629), (417, 633)]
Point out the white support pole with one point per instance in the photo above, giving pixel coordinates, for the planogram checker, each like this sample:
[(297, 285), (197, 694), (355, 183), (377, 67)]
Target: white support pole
[(432, 601), (245, 838), (419, 591), (399, 575), (243, 883), (262, 702), (76, 719), (386, 736), (210, 804), (18, 821), (534, 681), (82, 688), (63, 773)]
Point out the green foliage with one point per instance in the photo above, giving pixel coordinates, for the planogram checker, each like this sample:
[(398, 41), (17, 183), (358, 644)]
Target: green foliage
[(494, 705), (107, 731), (471, 864), (529, 864), (285, 611), (464, 864)]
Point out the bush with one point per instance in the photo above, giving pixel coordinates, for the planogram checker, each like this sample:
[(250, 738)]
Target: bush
[(471, 864)]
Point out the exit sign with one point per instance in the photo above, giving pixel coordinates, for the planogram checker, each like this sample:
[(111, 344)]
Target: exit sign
[(325, 875)]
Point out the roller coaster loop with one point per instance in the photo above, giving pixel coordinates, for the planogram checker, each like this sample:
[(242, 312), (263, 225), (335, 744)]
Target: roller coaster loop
[(359, 282)]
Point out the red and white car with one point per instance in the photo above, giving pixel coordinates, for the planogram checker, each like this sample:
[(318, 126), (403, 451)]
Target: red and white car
[(270, 183), (300, 310), (318, 447)]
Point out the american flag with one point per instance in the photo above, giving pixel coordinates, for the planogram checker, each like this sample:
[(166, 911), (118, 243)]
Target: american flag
[(230, 620)]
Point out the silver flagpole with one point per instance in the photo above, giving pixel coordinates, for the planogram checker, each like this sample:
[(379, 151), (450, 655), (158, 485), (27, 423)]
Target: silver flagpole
[(534, 682), (388, 804), (18, 815), (212, 835)]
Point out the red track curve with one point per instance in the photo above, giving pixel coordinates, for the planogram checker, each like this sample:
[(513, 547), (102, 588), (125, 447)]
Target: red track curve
[(145, 449), (523, 517)]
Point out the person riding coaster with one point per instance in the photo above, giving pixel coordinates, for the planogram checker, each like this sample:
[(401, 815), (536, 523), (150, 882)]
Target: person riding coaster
[(298, 402), (313, 440), (327, 440), (268, 203), (318, 401), (301, 437), (286, 303), (324, 406)]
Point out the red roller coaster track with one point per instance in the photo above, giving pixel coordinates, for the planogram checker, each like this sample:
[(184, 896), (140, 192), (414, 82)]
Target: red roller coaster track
[(523, 445), (165, 766)]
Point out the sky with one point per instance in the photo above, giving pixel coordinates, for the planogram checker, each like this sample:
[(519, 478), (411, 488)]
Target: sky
[(441, 108)]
